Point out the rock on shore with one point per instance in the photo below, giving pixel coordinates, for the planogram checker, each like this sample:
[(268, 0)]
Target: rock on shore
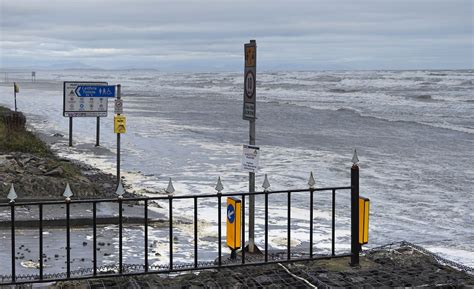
[(46, 177)]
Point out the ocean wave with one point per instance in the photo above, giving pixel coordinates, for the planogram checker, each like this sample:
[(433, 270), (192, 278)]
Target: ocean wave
[(467, 82), (424, 97), (342, 90)]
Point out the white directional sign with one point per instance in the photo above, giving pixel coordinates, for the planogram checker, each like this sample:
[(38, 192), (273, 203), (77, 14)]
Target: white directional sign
[(250, 158), (75, 105)]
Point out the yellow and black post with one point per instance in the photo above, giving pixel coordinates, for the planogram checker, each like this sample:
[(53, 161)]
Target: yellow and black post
[(233, 225), (355, 246)]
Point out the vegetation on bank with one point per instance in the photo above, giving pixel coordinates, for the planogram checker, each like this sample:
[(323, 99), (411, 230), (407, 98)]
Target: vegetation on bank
[(28, 163), (20, 140)]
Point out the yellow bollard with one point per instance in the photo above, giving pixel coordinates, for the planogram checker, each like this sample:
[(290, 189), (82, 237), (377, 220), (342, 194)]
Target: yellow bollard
[(364, 205)]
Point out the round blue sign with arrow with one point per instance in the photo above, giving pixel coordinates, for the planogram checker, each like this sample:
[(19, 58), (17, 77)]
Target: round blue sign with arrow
[(230, 213)]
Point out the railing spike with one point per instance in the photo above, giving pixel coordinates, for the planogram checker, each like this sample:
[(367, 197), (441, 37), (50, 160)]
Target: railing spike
[(67, 192), (266, 183), (219, 187), (311, 181), (355, 158), (170, 189), (12, 194), (120, 191)]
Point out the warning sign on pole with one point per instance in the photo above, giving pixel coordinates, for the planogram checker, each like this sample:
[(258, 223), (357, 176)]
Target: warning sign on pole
[(120, 124), (250, 80), (118, 106)]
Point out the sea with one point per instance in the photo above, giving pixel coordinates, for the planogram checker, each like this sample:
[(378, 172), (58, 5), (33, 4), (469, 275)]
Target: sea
[(413, 131)]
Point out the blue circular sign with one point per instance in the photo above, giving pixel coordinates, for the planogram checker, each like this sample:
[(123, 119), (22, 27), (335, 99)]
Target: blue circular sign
[(230, 213)]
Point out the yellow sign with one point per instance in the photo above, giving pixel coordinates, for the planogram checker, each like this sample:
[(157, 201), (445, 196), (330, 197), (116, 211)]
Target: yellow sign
[(119, 124), (250, 56), (16, 87), (233, 223), (364, 205)]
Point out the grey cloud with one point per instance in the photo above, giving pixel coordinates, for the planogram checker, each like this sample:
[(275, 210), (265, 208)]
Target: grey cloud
[(363, 34)]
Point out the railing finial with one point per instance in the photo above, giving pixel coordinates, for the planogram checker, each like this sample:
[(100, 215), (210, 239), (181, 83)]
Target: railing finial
[(311, 181), (170, 189), (12, 194), (266, 183), (120, 191), (219, 187), (68, 193), (355, 159)]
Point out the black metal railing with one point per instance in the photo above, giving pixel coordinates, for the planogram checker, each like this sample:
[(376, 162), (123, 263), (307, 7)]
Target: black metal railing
[(124, 269)]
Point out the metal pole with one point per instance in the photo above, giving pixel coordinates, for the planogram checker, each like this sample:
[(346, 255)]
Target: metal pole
[(12, 218), (94, 235), (252, 190), (118, 141), (68, 239), (120, 236), (146, 234), (354, 215), (14, 93), (195, 233), (40, 213), (70, 131), (97, 135)]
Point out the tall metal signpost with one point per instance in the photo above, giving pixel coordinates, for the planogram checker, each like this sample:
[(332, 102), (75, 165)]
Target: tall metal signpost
[(119, 126), (249, 113)]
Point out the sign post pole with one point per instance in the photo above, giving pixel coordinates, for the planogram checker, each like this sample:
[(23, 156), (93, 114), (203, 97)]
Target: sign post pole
[(97, 135), (118, 141), (249, 113), (14, 93), (252, 197), (70, 131)]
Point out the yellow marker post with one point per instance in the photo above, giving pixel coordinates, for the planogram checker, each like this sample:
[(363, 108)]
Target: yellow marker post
[(364, 205), (120, 124), (233, 223)]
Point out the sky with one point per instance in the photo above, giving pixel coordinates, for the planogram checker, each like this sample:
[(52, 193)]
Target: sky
[(208, 35)]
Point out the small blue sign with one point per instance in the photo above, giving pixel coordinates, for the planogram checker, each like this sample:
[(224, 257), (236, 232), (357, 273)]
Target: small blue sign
[(96, 91), (230, 213)]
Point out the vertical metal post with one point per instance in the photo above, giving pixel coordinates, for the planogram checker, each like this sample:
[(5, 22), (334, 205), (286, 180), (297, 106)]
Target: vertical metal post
[(171, 231), (70, 131), (14, 93), (354, 215), (120, 236), (97, 133), (12, 219), (94, 235), (118, 140), (195, 233), (311, 196), (289, 227), (333, 226), (146, 235), (40, 213), (219, 220), (266, 226), (243, 229), (68, 239), (252, 190)]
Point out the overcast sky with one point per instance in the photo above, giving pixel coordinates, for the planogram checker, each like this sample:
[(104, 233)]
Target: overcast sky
[(209, 35)]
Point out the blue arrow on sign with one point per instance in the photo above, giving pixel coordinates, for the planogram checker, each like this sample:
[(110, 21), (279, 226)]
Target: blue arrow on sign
[(96, 91), (230, 213)]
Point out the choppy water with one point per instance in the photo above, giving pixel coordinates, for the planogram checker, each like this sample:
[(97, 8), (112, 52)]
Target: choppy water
[(413, 130)]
